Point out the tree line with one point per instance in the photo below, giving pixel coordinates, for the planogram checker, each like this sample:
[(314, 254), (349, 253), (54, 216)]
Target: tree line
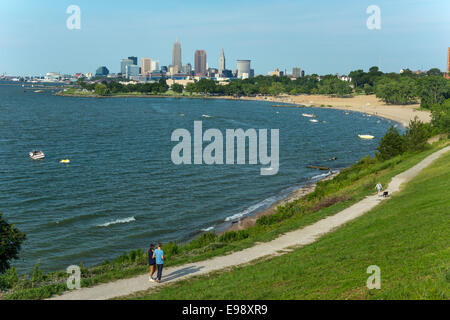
[(428, 88)]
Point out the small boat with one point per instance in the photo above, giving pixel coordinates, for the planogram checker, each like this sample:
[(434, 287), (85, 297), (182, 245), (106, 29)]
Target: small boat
[(37, 155), (365, 136), (314, 120), (65, 161), (308, 115)]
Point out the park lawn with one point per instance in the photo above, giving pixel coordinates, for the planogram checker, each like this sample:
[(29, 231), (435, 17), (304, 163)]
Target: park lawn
[(406, 236)]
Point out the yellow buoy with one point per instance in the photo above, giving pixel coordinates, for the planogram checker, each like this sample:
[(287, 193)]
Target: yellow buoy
[(65, 161)]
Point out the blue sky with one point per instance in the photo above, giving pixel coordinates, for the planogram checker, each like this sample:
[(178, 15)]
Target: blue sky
[(320, 36)]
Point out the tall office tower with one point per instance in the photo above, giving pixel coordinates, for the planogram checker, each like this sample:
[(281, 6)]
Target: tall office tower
[(296, 72), (146, 66), (176, 57), (155, 65), (200, 62), (123, 65), (221, 62), (134, 59), (448, 65)]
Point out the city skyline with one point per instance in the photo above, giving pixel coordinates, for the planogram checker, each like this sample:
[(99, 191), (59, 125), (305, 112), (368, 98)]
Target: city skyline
[(321, 38)]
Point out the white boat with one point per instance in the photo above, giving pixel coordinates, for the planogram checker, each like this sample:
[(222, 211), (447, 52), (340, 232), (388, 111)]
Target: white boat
[(365, 136), (309, 115), (314, 120), (36, 155)]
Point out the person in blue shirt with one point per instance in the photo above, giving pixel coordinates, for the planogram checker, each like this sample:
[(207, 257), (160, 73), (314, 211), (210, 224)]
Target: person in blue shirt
[(158, 255), (151, 262)]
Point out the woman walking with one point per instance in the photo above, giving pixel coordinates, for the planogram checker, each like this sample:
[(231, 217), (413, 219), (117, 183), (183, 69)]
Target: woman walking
[(151, 262)]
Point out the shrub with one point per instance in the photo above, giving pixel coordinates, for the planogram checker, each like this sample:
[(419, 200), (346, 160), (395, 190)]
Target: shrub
[(416, 135), (171, 249), (391, 145), (440, 114), (10, 242), (8, 279), (101, 89), (37, 275)]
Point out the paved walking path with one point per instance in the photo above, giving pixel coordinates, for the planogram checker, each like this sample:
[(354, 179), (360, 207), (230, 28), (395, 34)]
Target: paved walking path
[(280, 245)]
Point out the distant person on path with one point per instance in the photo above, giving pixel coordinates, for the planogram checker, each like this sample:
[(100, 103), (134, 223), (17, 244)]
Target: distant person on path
[(159, 257), (379, 188), (151, 262)]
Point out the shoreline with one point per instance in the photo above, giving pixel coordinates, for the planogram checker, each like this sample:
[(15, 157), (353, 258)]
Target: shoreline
[(250, 220), (368, 104)]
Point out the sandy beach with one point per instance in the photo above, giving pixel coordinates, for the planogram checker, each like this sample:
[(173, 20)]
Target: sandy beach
[(369, 104)]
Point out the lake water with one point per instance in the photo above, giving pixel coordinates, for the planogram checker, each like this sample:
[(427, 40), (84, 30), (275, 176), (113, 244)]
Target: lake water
[(121, 190)]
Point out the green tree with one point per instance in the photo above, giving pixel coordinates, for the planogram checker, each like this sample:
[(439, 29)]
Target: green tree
[(276, 88), (391, 145), (333, 85), (206, 86), (178, 88), (396, 91), (416, 135), (433, 90), (101, 89), (434, 72), (10, 243), (368, 89), (191, 88), (163, 87), (440, 116)]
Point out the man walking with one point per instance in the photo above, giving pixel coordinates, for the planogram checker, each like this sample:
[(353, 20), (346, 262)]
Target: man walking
[(159, 257)]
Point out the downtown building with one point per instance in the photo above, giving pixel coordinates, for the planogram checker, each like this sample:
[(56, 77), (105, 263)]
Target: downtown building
[(146, 66), (176, 57), (200, 63)]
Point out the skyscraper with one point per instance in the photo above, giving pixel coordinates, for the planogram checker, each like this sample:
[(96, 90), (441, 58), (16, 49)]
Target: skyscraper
[(123, 65), (200, 63), (146, 66), (134, 59), (155, 65), (176, 56), (221, 62)]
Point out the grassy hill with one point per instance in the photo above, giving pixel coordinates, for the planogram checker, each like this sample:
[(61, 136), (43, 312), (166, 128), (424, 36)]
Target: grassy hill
[(406, 236)]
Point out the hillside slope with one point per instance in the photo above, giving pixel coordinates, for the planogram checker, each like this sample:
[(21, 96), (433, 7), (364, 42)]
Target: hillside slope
[(406, 236)]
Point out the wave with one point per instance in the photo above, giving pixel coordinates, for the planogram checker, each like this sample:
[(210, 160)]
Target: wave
[(206, 116), (126, 220), (251, 209)]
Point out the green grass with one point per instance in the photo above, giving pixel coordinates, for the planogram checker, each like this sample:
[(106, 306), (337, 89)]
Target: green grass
[(350, 186), (407, 236)]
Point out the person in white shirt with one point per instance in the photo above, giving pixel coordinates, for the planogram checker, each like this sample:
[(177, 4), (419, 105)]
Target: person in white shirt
[(379, 188)]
